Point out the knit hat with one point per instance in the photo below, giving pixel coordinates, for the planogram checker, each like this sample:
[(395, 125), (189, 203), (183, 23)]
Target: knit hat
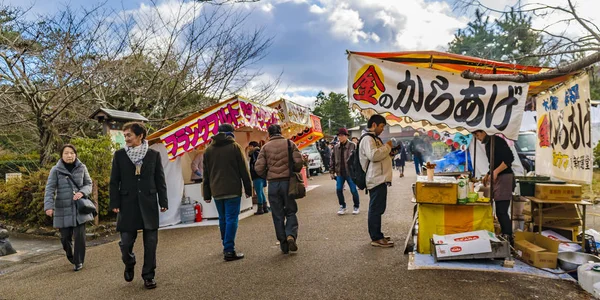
[(226, 128), (343, 131)]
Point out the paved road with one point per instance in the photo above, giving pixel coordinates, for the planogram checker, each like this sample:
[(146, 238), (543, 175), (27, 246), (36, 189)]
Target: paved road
[(335, 261)]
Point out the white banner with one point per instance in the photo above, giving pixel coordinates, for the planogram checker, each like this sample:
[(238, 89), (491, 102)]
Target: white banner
[(435, 96), (564, 127)]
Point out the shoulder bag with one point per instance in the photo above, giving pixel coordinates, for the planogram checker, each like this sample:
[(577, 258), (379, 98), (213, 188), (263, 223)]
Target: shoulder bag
[(84, 204), (297, 189)]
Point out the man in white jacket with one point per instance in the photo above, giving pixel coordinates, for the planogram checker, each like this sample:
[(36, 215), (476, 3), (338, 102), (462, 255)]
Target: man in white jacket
[(376, 161)]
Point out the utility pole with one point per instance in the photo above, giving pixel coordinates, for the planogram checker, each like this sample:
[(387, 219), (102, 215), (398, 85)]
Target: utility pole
[(329, 126)]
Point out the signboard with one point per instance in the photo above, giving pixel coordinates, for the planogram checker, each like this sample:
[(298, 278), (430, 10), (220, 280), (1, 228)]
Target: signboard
[(290, 112), (118, 138), (437, 97), (309, 135), (199, 131), (564, 146)]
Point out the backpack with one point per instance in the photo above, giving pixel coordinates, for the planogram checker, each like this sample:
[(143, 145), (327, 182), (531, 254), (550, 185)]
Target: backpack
[(357, 174)]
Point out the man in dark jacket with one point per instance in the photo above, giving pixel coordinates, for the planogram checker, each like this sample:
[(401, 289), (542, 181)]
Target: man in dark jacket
[(340, 172), (417, 148), (274, 164), (326, 155), (225, 170), (257, 182), (137, 180)]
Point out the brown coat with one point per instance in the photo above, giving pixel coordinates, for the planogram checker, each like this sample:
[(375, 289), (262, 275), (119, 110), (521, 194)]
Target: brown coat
[(336, 156), (273, 159)]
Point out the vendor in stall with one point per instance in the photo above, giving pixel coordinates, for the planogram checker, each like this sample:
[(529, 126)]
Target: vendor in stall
[(197, 166), (503, 177)]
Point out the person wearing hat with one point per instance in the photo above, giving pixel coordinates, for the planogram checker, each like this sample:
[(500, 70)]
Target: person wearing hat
[(340, 172), (503, 177), (225, 175)]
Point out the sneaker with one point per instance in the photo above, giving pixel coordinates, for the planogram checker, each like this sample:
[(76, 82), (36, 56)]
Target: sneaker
[(342, 211), (356, 211), (382, 243)]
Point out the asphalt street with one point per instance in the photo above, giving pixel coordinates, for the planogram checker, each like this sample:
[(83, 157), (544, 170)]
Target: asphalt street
[(334, 261)]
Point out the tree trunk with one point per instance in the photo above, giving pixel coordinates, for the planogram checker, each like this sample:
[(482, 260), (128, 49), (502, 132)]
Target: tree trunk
[(47, 144)]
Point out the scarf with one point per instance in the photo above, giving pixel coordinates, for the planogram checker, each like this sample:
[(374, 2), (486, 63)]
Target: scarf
[(137, 154)]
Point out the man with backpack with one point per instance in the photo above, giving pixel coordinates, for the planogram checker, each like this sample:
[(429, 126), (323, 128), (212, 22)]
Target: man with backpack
[(340, 172), (376, 161)]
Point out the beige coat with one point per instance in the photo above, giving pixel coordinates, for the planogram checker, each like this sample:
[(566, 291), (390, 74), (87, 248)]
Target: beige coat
[(273, 159), (375, 159), (197, 165)]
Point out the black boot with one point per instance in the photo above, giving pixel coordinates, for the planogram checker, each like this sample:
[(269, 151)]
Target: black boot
[(260, 210), (265, 208), (231, 256)]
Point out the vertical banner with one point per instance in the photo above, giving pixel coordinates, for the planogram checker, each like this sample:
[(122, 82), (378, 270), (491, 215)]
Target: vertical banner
[(564, 144)]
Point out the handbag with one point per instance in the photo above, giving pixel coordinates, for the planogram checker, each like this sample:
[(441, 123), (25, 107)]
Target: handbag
[(84, 204), (296, 189)]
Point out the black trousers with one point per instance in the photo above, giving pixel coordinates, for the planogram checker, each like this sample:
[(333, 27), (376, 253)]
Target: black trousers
[(77, 255), (502, 207), (377, 205), (150, 243)]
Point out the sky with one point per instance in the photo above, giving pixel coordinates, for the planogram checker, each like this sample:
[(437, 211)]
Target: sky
[(310, 37)]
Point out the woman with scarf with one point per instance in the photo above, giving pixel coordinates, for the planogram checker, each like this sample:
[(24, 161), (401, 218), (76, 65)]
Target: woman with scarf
[(60, 203), (137, 181)]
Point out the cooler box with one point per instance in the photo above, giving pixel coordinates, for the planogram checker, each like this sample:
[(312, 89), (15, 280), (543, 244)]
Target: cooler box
[(442, 190)]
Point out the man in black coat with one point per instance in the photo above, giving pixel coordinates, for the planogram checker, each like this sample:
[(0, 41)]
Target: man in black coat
[(137, 181)]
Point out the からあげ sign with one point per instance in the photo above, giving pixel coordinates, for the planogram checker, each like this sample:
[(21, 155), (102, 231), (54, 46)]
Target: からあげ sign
[(564, 144), (200, 130), (435, 96)]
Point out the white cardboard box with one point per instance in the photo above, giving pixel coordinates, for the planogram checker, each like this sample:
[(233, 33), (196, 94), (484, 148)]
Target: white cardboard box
[(472, 242), (563, 247)]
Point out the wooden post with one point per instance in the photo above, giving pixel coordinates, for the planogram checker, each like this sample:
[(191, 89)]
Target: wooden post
[(95, 199)]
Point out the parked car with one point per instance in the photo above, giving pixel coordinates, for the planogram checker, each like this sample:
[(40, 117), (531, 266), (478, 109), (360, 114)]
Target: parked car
[(525, 146), (315, 163)]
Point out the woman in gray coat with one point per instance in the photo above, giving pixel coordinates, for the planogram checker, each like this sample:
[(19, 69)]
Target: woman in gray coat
[(60, 202)]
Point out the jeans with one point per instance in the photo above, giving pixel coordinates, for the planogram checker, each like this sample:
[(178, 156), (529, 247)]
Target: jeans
[(339, 188), (377, 206), (503, 215), (418, 164), (283, 211), (150, 244), (258, 188), (77, 255), (229, 211)]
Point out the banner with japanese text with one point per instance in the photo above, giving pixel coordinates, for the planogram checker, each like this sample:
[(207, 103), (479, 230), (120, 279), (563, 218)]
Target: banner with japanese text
[(437, 97), (564, 130), (201, 128)]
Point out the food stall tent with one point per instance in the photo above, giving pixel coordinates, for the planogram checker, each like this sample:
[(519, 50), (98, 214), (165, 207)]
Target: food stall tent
[(179, 142)]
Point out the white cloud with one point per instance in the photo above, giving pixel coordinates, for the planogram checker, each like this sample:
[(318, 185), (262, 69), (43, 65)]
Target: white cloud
[(315, 9), (155, 25), (346, 23), (267, 7)]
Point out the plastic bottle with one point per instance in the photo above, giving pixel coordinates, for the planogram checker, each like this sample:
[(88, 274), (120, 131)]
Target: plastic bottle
[(588, 275), (463, 190)]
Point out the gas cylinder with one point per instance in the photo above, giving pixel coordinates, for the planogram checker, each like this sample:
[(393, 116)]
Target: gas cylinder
[(198, 212)]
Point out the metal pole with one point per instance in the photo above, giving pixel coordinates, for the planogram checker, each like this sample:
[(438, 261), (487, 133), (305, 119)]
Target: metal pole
[(493, 137), (474, 142)]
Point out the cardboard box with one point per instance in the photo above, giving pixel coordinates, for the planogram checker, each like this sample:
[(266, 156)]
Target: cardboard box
[(530, 252), (562, 215), (437, 192), (562, 247), (473, 242), (567, 192)]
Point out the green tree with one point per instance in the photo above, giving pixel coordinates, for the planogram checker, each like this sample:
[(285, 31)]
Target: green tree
[(508, 39), (334, 108)]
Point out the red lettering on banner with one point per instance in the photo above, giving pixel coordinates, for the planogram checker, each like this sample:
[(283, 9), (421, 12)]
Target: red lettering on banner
[(366, 84), (466, 238)]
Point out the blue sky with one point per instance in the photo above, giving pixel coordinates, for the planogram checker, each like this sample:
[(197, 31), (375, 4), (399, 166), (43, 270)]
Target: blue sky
[(310, 37)]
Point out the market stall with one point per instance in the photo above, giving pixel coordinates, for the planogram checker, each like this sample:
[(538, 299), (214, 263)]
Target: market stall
[(182, 140), (298, 124), (424, 90)]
